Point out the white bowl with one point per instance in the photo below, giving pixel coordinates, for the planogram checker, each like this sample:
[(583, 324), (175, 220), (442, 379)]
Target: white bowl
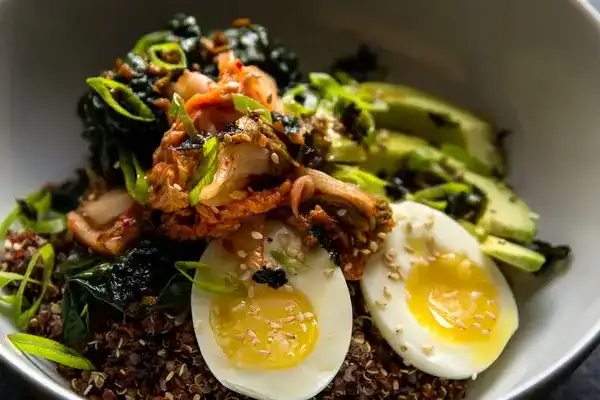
[(532, 66)]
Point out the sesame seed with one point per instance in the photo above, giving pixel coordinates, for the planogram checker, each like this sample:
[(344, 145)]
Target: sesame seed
[(290, 335), (177, 186), (256, 235), (232, 85), (476, 325), (269, 339), (242, 254), (382, 235), (329, 272), (428, 224), (288, 288), (409, 249), (427, 349), (243, 267), (303, 327), (284, 342), (391, 254), (474, 376), (366, 251), (87, 390), (381, 303), (485, 331), (491, 315), (290, 308), (373, 246), (274, 325), (251, 334), (386, 292), (490, 302), (399, 329), (450, 295), (120, 344), (170, 376), (341, 212), (475, 295), (394, 276), (300, 317), (240, 337), (246, 276), (289, 318), (275, 158), (264, 352), (289, 354), (309, 315), (479, 317)]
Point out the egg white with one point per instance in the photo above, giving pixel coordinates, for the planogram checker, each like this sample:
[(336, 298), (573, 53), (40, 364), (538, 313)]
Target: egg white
[(330, 299), (397, 323)]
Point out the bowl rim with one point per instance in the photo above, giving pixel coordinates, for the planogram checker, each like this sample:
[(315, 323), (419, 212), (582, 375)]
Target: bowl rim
[(578, 353)]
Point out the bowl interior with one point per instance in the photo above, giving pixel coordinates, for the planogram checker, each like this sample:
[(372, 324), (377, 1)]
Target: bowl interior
[(532, 67)]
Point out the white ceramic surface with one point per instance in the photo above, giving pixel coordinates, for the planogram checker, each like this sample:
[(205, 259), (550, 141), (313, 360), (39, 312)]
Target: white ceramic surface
[(531, 65)]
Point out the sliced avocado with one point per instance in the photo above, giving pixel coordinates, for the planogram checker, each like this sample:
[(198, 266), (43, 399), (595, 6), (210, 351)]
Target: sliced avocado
[(436, 121), (388, 151), (505, 214), (344, 149), (512, 254)]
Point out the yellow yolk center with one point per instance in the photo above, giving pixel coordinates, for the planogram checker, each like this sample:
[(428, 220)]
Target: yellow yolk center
[(274, 329), (453, 297)]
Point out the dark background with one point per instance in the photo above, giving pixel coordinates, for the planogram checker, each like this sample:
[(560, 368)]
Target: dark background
[(584, 384)]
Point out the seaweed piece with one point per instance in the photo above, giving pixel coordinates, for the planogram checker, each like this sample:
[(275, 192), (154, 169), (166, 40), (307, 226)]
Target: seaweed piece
[(65, 196), (359, 65), (554, 253), (133, 281), (273, 277)]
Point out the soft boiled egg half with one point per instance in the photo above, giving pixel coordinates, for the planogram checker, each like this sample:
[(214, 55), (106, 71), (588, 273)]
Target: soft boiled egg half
[(286, 343), (436, 298)]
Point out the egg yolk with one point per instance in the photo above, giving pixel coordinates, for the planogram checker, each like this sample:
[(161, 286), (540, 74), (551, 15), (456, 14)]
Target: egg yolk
[(274, 329), (453, 297)]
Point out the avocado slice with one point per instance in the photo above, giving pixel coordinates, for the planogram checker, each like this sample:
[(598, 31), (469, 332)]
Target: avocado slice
[(512, 254), (505, 214), (423, 115), (344, 149), (388, 151)]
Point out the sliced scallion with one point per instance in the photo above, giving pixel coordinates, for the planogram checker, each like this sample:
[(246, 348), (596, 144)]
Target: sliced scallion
[(156, 51), (50, 350), (205, 173), (177, 110), (8, 277), (107, 89), (209, 282), (246, 105), (136, 182), (46, 254), (150, 39), (286, 261)]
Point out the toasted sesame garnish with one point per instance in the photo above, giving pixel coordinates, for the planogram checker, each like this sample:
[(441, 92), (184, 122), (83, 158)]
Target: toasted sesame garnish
[(474, 376), (373, 246), (478, 316), (394, 276), (366, 251), (243, 267), (485, 331), (409, 249), (292, 271), (265, 352), (399, 329), (177, 186), (309, 315), (428, 224), (341, 212), (289, 335), (288, 288), (89, 388), (246, 276), (170, 376), (288, 318), (382, 235), (476, 325), (240, 337), (300, 317), (232, 85), (427, 349), (491, 315), (242, 254), (303, 327), (381, 303), (475, 295), (275, 158), (386, 292), (274, 325), (252, 334), (488, 302), (329, 272), (290, 308), (256, 235)]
